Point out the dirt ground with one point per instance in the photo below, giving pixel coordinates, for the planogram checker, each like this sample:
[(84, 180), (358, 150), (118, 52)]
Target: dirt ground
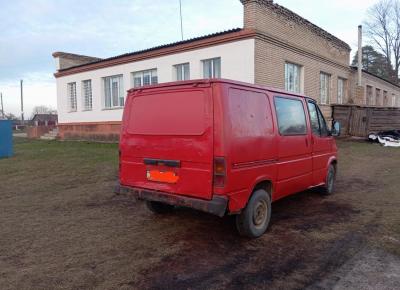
[(61, 227)]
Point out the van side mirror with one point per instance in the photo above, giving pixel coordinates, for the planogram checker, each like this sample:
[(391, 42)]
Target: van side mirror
[(335, 129)]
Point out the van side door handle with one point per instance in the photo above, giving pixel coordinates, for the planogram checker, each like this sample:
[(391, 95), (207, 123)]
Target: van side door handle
[(306, 142)]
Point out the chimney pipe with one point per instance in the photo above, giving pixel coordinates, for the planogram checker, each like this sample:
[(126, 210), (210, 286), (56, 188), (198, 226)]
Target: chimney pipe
[(360, 53)]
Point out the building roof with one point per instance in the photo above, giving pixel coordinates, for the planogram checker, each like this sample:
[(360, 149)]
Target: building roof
[(45, 117), (289, 14), (74, 55), (374, 75), (224, 36)]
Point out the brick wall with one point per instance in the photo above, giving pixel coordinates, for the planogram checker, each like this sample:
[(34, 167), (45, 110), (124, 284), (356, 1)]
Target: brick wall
[(283, 38), (101, 131), (374, 83), (34, 132), (283, 25), (270, 60)]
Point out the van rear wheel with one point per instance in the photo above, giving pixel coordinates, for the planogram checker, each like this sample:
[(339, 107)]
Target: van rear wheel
[(253, 221), (159, 207)]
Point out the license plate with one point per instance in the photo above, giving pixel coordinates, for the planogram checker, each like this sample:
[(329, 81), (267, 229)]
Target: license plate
[(162, 176)]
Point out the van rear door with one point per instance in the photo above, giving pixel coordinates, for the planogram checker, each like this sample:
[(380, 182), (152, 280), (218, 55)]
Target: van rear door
[(167, 140)]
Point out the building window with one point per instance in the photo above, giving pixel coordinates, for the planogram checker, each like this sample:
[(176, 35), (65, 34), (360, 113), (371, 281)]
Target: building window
[(212, 68), (72, 97), (87, 95), (393, 100), (370, 98), (378, 97), (341, 90), (291, 116), (113, 91), (293, 77), (385, 98), (182, 72), (145, 78), (325, 85)]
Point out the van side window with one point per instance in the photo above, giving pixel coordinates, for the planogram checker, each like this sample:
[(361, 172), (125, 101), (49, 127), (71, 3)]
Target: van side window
[(314, 118), (291, 116), (324, 128)]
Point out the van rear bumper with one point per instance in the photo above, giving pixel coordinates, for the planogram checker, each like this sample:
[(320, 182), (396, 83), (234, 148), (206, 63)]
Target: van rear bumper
[(217, 205)]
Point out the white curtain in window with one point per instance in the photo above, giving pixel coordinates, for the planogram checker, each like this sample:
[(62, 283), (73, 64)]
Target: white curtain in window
[(292, 77), (186, 71), (324, 88), (341, 88), (113, 91), (87, 94), (154, 77), (216, 67), (207, 69), (72, 96)]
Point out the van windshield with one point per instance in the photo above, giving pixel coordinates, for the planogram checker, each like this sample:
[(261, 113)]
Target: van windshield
[(168, 113)]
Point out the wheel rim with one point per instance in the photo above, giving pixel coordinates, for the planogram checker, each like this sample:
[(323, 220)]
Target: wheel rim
[(260, 213)]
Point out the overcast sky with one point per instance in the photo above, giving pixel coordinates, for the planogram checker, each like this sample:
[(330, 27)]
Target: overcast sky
[(31, 30)]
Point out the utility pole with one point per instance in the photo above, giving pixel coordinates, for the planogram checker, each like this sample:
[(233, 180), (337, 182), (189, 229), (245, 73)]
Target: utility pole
[(22, 103), (2, 107), (180, 12)]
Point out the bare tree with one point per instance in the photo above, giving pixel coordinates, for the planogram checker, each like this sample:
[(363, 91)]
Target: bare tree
[(383, 29), (42, 110)]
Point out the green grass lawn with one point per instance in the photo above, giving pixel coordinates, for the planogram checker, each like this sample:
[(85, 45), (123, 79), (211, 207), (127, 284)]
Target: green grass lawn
[(61, 226)]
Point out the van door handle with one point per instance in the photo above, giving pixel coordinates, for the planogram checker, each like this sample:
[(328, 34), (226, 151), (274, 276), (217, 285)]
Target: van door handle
[(306, 142)]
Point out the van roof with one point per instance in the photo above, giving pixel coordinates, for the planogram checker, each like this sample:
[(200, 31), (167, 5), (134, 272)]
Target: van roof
[(219, 80)]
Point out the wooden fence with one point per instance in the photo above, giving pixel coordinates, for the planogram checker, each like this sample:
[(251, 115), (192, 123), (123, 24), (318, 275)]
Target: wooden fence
[(360, 121)]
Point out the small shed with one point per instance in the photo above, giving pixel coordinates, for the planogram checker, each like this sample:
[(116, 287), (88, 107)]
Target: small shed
[(45, 120)]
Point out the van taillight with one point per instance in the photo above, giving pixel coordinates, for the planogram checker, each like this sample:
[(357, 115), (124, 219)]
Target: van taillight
[(219, 171)]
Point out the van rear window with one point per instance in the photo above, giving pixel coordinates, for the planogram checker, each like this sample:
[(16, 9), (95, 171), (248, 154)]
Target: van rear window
[(172, 113)]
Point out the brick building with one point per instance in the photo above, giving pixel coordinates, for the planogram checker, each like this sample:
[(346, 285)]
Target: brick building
[(276, 47)]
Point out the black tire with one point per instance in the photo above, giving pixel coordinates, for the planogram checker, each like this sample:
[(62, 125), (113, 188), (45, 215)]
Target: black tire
[(253, 221), (329, 186), (159, 207)]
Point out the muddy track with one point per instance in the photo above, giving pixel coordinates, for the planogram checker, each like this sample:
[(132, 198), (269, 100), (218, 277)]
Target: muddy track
[(216, 257)]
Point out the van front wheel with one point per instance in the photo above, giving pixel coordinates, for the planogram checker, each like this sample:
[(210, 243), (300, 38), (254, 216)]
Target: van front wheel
[(329, 186), (159, 207), (253, 221)]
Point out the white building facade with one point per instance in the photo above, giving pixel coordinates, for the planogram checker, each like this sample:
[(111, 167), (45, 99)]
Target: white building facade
[(96, 97)]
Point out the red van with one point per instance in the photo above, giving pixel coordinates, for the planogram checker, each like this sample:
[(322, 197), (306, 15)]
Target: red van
[(223, 147)]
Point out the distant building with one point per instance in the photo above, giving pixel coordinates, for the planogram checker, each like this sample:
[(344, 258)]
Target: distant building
[(276, 47), (44, 120)]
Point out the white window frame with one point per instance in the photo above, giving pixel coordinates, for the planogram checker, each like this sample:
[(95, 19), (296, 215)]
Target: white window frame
[(293, 77), (144, 78), (87, 95), (182, 71), (324, 88), (341, 90), (72, 103), (215, 70), (115, 94)]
